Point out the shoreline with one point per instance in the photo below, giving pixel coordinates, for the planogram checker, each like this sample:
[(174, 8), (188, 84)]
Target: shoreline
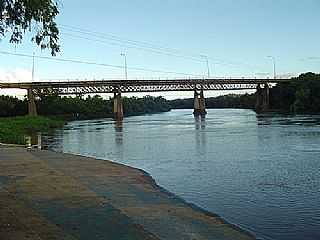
[(192, 205), (154, 183), (131, 194)]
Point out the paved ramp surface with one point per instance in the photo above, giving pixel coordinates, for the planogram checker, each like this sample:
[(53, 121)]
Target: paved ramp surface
[(47, 195)]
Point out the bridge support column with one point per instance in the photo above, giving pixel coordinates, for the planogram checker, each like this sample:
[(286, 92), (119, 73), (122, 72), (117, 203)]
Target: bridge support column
[(32, 108), (262, 98), (117, 106), (199, 104)]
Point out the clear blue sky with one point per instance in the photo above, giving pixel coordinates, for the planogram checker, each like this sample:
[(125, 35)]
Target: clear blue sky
[(243, 32)]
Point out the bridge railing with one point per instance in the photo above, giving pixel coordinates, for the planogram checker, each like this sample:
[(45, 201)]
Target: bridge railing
[(135, 82)]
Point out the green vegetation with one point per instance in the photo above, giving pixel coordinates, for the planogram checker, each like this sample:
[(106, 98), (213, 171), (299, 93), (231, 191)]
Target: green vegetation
[(302, 95), (11, 106), (245, 101), (37, 17), (97, 107), (15, 129), (148, 104), (80, 108)]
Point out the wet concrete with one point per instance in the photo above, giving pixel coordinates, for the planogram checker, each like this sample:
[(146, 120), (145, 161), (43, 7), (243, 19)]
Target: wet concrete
[(47, 195)]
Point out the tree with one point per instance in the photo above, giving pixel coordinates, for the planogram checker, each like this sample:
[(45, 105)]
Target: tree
[(301, 95), (37, 16)]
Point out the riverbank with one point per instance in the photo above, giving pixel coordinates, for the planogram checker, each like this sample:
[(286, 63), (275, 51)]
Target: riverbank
[(13, 130), (50, 195)]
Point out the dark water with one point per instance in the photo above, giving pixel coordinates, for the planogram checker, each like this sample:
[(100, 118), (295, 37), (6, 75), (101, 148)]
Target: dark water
[(261, 172)]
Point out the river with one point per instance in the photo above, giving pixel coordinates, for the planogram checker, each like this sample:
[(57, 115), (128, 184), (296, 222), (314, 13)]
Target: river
[(260, 172)]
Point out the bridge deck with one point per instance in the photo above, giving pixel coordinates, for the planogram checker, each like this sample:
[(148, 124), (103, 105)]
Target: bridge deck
[(111, 86)]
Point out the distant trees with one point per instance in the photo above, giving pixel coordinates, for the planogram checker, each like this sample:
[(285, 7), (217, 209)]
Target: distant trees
[(246, 101), (147, 104), (96, 106), (90, 107), (302, 95), (10, 106), (19, 16)]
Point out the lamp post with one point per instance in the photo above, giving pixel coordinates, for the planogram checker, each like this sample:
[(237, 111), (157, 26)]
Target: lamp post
[(125, 65), (32, 68), (274, 66), (207, 61)]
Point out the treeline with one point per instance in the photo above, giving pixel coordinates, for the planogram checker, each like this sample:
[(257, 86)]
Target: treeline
[(245, 101), (76, 107), (11, 106), (301, 95)]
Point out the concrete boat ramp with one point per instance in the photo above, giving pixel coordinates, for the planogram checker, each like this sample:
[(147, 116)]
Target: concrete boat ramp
[(47, 195)]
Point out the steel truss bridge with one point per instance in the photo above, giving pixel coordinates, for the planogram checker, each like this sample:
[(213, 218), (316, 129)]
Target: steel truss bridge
[(82, 87)]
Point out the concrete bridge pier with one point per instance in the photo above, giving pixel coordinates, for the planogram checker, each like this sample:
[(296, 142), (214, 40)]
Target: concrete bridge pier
[(117, 106), (262, 98), (32, 108), (199, 104)]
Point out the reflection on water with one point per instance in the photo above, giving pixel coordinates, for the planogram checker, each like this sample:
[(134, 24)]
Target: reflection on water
[(200, 126), (118, 126), (261, 172), (200, 122), (278, 119)]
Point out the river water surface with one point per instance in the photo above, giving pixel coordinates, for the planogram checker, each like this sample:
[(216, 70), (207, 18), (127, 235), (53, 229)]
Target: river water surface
[(261, 172)]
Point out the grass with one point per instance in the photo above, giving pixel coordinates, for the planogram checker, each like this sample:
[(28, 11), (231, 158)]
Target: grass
[(13, 130)]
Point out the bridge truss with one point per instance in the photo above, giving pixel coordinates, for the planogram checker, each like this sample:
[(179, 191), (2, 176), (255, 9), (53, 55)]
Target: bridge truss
[(130, 86)]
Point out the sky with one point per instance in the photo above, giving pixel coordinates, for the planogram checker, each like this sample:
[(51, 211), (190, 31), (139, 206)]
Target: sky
[(173, 36)]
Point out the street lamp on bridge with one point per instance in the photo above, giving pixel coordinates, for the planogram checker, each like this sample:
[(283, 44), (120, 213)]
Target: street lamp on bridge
[(274, 66), (125, 65), (32, 77), (207, 61)]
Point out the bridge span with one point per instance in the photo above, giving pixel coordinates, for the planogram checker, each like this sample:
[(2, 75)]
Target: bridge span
[(117, 87)]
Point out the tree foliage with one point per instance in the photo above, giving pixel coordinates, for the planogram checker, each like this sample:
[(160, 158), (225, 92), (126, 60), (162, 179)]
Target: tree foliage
[(302, 95), (77, 107), (38, 16), (245, 101), (10, 106)]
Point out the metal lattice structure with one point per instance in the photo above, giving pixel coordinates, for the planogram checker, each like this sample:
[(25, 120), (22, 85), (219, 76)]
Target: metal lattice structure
[(130, 86)]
